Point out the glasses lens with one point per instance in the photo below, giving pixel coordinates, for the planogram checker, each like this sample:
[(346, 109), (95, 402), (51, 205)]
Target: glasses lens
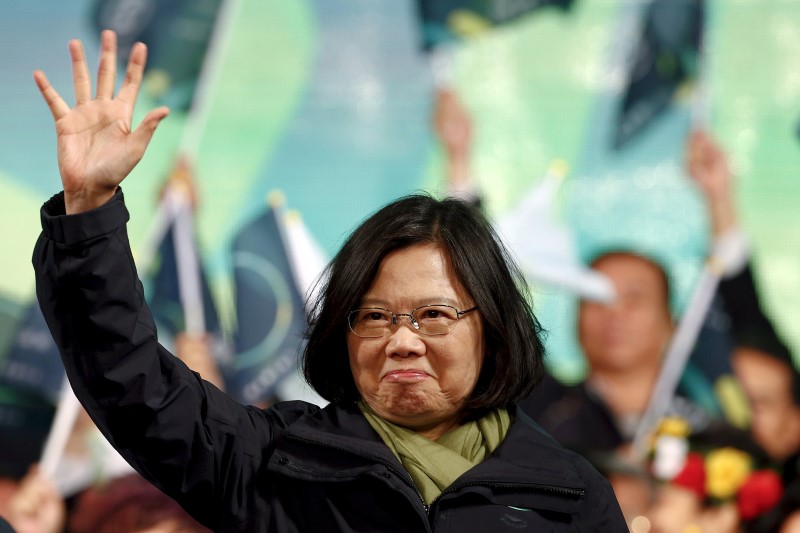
[(436, 319), (370, 322)]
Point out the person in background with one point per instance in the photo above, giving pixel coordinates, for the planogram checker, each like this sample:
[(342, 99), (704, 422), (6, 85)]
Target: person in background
[(129, 504), (623, 342), (196, 352), (36, 506), (422, 340), (762, 361)]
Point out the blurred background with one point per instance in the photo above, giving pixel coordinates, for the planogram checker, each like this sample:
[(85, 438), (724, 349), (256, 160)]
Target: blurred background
[(330, 102)]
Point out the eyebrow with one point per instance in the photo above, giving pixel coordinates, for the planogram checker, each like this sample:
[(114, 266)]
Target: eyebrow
[(375, 302)]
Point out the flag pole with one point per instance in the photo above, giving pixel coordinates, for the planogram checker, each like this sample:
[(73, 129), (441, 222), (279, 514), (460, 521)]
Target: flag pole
[(200, 107), (188, 265), (196, 120), (179, 200), (185, 249), (306, 256), (67, 411), (678, 352), (684, 339), (162, 218)]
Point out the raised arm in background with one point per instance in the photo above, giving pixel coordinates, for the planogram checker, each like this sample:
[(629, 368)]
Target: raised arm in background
[(761, 360), (708, 166)]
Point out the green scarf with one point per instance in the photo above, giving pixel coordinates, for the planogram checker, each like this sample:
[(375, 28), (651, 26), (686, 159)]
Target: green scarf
[(434, 465)]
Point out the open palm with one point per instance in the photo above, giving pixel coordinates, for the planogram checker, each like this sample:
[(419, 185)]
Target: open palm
[(96, 147), (707, 165)]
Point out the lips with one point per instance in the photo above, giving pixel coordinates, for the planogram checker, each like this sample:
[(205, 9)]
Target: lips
[(408, 375)]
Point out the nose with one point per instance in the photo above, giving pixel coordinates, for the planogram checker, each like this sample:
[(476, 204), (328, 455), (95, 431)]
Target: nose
[(405, 340)]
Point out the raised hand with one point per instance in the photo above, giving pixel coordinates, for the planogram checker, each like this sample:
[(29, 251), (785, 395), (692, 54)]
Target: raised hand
[(707, 165), (96, 147), (452, 124), (453, 127)]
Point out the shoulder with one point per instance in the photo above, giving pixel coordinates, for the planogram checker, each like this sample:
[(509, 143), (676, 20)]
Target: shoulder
[(333, 418), (560, 461), (286, 413), (531, 448)]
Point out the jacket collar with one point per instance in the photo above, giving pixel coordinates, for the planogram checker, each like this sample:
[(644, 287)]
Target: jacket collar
[(337, 438)]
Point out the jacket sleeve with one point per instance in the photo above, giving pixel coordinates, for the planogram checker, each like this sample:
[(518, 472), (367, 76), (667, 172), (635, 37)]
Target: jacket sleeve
[(188, 438), (749, 323)]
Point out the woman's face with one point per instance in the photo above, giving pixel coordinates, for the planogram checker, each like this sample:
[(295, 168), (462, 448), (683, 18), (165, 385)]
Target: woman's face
[(413, 380)]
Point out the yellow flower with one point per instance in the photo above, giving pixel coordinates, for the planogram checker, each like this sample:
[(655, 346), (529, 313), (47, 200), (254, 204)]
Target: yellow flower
[(674, 426), (726, 470)]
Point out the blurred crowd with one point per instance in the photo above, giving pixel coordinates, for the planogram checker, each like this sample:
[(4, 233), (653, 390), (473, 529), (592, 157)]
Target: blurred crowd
[(726, 466), (111, 497)]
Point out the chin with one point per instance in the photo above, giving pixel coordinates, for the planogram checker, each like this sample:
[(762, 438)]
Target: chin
[(407, 404), (621, 360)]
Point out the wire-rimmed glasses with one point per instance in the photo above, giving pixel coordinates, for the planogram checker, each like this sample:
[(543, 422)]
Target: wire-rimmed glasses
[(430, 319)]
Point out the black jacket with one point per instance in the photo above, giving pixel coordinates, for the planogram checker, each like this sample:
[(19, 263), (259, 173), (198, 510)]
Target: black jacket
[(293, 467)]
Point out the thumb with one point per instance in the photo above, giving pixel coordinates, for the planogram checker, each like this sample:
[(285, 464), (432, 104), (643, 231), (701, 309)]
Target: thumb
[(141, 136)]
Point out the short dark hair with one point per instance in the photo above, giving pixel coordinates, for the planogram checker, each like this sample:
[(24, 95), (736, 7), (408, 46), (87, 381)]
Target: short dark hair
[(514, 361)]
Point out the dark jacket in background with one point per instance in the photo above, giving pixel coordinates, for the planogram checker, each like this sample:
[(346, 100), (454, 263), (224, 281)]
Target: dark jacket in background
[(575, 416), (292, 467)]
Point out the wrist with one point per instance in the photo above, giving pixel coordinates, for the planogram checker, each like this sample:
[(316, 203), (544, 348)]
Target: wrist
[(730, 250), (79, 202), (723, 218)]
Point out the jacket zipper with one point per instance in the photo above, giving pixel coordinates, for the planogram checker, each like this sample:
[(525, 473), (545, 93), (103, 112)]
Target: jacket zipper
[(565, 492)]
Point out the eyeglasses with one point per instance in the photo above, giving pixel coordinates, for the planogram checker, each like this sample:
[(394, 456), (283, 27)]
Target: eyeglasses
[(373, 322)]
